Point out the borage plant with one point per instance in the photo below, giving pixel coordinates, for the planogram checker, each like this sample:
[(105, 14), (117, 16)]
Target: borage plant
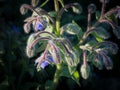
[(68, 46)]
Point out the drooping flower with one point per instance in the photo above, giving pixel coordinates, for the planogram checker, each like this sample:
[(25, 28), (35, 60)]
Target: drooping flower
[(44, 64), (39, 26), (44, 60)]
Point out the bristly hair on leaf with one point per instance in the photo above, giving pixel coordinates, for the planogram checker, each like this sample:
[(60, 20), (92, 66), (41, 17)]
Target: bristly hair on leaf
[(23, 10)]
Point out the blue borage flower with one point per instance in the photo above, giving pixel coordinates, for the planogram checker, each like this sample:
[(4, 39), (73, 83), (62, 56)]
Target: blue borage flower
[(50, 55), (44, 60), (38, 24)]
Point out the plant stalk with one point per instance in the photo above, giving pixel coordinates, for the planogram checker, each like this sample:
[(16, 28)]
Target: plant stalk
[(57, 23), (56, 77), (103, 9), (84, 57), (89, 20)]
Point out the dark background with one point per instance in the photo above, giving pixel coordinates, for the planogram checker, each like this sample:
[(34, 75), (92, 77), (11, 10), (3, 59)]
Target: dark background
[(103, 80)]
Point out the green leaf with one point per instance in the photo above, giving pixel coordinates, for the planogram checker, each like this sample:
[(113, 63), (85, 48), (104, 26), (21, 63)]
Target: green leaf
[(70, 72), (80, 34), (65, 72), (41, 46), (99, 39), (91, 43), (52, 13), (76, 77), (116, 31), (71, 28), (107, 62), (30, 39), (102, 33), (49, 28), (72, 59), (98, 62), (72, 69), (98, 15), (107, 46), (77, 9)]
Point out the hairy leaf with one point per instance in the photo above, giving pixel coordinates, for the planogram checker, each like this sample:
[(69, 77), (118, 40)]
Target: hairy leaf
[(98, 62), (77, 9), (116, 31), (107, 61), (102, 33), (71, 29)]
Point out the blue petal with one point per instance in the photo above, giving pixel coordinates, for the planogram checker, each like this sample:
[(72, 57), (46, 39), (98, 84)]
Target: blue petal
[(50, 59), (39, 26), (44, 64)]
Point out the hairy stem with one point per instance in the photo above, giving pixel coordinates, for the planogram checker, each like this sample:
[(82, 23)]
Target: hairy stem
[(84, 57), (89, 19), (57, 23), (103, 9), (56, 77)]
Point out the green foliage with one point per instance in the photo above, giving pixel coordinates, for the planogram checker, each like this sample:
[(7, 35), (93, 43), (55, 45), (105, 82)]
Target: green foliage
[(57, 44), (65, 44)]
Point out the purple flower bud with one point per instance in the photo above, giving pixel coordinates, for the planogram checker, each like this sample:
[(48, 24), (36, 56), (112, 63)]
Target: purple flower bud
[(85, 71)]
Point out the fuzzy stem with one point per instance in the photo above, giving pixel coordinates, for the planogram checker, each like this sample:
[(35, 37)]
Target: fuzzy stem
[(57, 23), (89, 20), (56, 77), (84, 57), (103, 9)]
